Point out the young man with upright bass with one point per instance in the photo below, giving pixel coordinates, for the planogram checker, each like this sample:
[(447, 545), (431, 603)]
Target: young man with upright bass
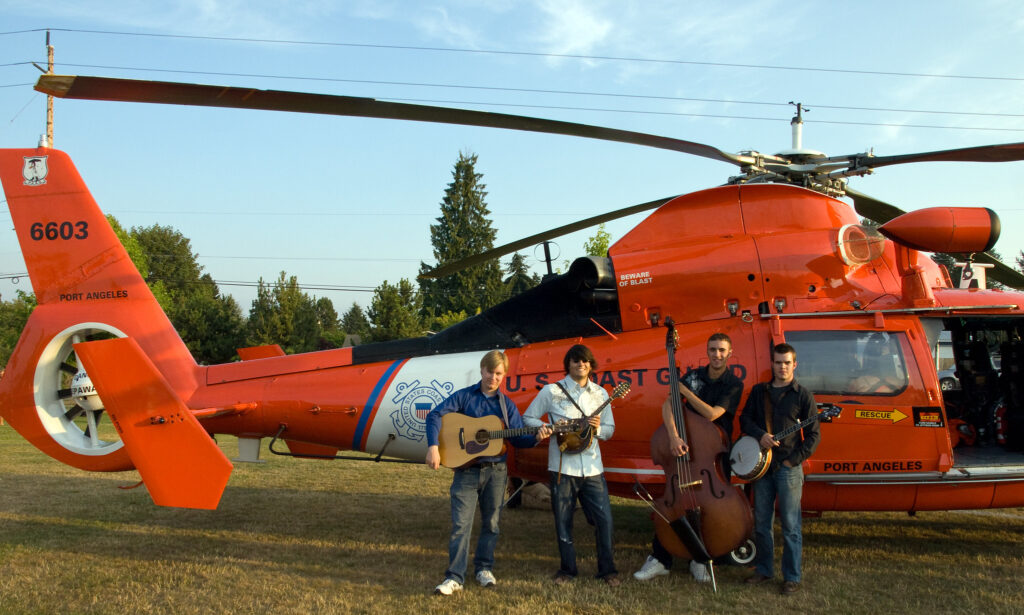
[(713, 392)]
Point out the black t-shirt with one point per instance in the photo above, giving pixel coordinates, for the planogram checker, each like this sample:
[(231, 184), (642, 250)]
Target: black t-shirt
[(725, 392)]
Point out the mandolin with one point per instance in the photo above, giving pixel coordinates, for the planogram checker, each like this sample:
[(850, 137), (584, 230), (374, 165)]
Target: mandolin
[(575, 435)]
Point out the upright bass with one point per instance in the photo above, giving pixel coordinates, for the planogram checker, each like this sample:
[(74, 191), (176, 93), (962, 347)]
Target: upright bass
[(700, 515)]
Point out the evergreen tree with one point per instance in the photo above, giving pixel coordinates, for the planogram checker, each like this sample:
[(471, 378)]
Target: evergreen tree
[(395, 312), (284, 315), (331, 334), (462, 230), (213, 322), (355, 323), (326, 314), (519, 278)]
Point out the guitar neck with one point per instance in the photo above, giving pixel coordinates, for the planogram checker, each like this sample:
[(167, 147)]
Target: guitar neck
[(602, 407), (795, 428), (501, 434)]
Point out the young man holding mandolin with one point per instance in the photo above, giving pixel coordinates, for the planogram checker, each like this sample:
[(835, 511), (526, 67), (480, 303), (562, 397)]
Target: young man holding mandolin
[(483, 480), (574, 463), (771, 408), (713, 392)]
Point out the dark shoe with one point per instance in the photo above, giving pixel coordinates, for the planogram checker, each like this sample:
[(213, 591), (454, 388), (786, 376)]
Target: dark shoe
[(561, 578), (612, 580), (757, 579), (790, 587)]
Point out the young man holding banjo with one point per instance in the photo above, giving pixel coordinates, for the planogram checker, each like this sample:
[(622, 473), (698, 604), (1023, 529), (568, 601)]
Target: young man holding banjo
[(714, 392), (772, 408), (484, 477)]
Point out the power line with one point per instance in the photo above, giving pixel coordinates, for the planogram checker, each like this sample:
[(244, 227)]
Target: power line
[(243, 284), (708, 115), (537, 54)]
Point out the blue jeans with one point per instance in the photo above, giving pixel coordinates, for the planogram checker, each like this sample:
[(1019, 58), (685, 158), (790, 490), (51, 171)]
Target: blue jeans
[(476, 484), (592, 492), (786, 485)]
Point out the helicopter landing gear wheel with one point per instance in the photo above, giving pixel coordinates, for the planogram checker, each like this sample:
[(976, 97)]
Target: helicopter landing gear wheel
[(69, 409), (743, 554)]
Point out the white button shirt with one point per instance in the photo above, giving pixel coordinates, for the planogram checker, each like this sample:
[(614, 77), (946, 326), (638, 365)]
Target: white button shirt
[(553, 402)]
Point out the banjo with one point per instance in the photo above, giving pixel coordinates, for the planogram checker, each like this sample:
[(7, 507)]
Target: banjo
[(750, 462)]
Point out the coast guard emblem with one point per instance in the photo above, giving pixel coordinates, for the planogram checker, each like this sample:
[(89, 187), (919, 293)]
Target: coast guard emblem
[(35, 170), (414, 402)]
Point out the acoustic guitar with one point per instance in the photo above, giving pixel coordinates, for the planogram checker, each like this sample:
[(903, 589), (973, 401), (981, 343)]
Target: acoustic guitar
[(464, 438)]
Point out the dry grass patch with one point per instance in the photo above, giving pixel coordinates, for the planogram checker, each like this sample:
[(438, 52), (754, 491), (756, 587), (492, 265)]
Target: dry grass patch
[(300, 536)]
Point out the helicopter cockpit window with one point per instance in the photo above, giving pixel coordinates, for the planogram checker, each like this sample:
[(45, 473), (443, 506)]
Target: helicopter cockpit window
[(849, 362)]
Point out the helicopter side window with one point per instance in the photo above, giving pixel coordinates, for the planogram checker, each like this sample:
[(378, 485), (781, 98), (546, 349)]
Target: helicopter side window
[(850, 362)]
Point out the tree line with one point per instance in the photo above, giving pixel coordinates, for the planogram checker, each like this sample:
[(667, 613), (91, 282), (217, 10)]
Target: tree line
[(212, 324)]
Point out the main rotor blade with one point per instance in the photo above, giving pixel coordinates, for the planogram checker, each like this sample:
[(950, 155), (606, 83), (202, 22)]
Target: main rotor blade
[(881, 212), (871, 208), (515, 246), (130, 90), (1005, 152)]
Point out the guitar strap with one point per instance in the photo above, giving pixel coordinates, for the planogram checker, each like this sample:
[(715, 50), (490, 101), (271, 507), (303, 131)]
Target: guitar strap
[(768, 410), (585, 415), (504, 409)]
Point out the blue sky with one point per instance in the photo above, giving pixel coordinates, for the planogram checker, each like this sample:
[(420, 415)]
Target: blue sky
[(347, 201)]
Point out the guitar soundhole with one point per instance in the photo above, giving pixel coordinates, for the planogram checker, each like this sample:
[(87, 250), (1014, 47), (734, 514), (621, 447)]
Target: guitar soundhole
[(481, 436)]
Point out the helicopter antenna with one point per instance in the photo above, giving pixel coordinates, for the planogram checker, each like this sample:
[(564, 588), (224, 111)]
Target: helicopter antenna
[(547, 257), (798, 125)]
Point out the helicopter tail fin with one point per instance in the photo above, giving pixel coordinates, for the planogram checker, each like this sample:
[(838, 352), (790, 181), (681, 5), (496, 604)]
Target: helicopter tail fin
[(86, 287), (179, 462)]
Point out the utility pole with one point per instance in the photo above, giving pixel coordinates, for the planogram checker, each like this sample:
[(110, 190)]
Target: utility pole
[(49, 99)]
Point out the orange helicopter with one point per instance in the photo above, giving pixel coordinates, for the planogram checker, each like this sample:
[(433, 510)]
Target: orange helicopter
[(772, 255)]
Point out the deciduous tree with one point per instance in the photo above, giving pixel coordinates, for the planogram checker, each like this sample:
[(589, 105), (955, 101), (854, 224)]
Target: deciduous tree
[(13, 316), (210, 324), (395, 312)]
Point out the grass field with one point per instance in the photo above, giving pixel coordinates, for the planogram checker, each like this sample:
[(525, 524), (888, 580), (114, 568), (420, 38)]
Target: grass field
[(301, 536)]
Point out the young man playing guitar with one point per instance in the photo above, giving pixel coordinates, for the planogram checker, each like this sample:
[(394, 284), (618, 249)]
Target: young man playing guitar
[(713, 392), (578, 475), (484, 480), (771, 408)]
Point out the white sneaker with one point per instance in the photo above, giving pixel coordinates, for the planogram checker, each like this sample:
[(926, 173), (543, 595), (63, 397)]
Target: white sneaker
[(651, 568), (700, 572), (485, 578), (449, 587)]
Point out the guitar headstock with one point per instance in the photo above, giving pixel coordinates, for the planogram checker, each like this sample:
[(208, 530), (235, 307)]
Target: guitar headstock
[(620, 390), (828, 412)]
